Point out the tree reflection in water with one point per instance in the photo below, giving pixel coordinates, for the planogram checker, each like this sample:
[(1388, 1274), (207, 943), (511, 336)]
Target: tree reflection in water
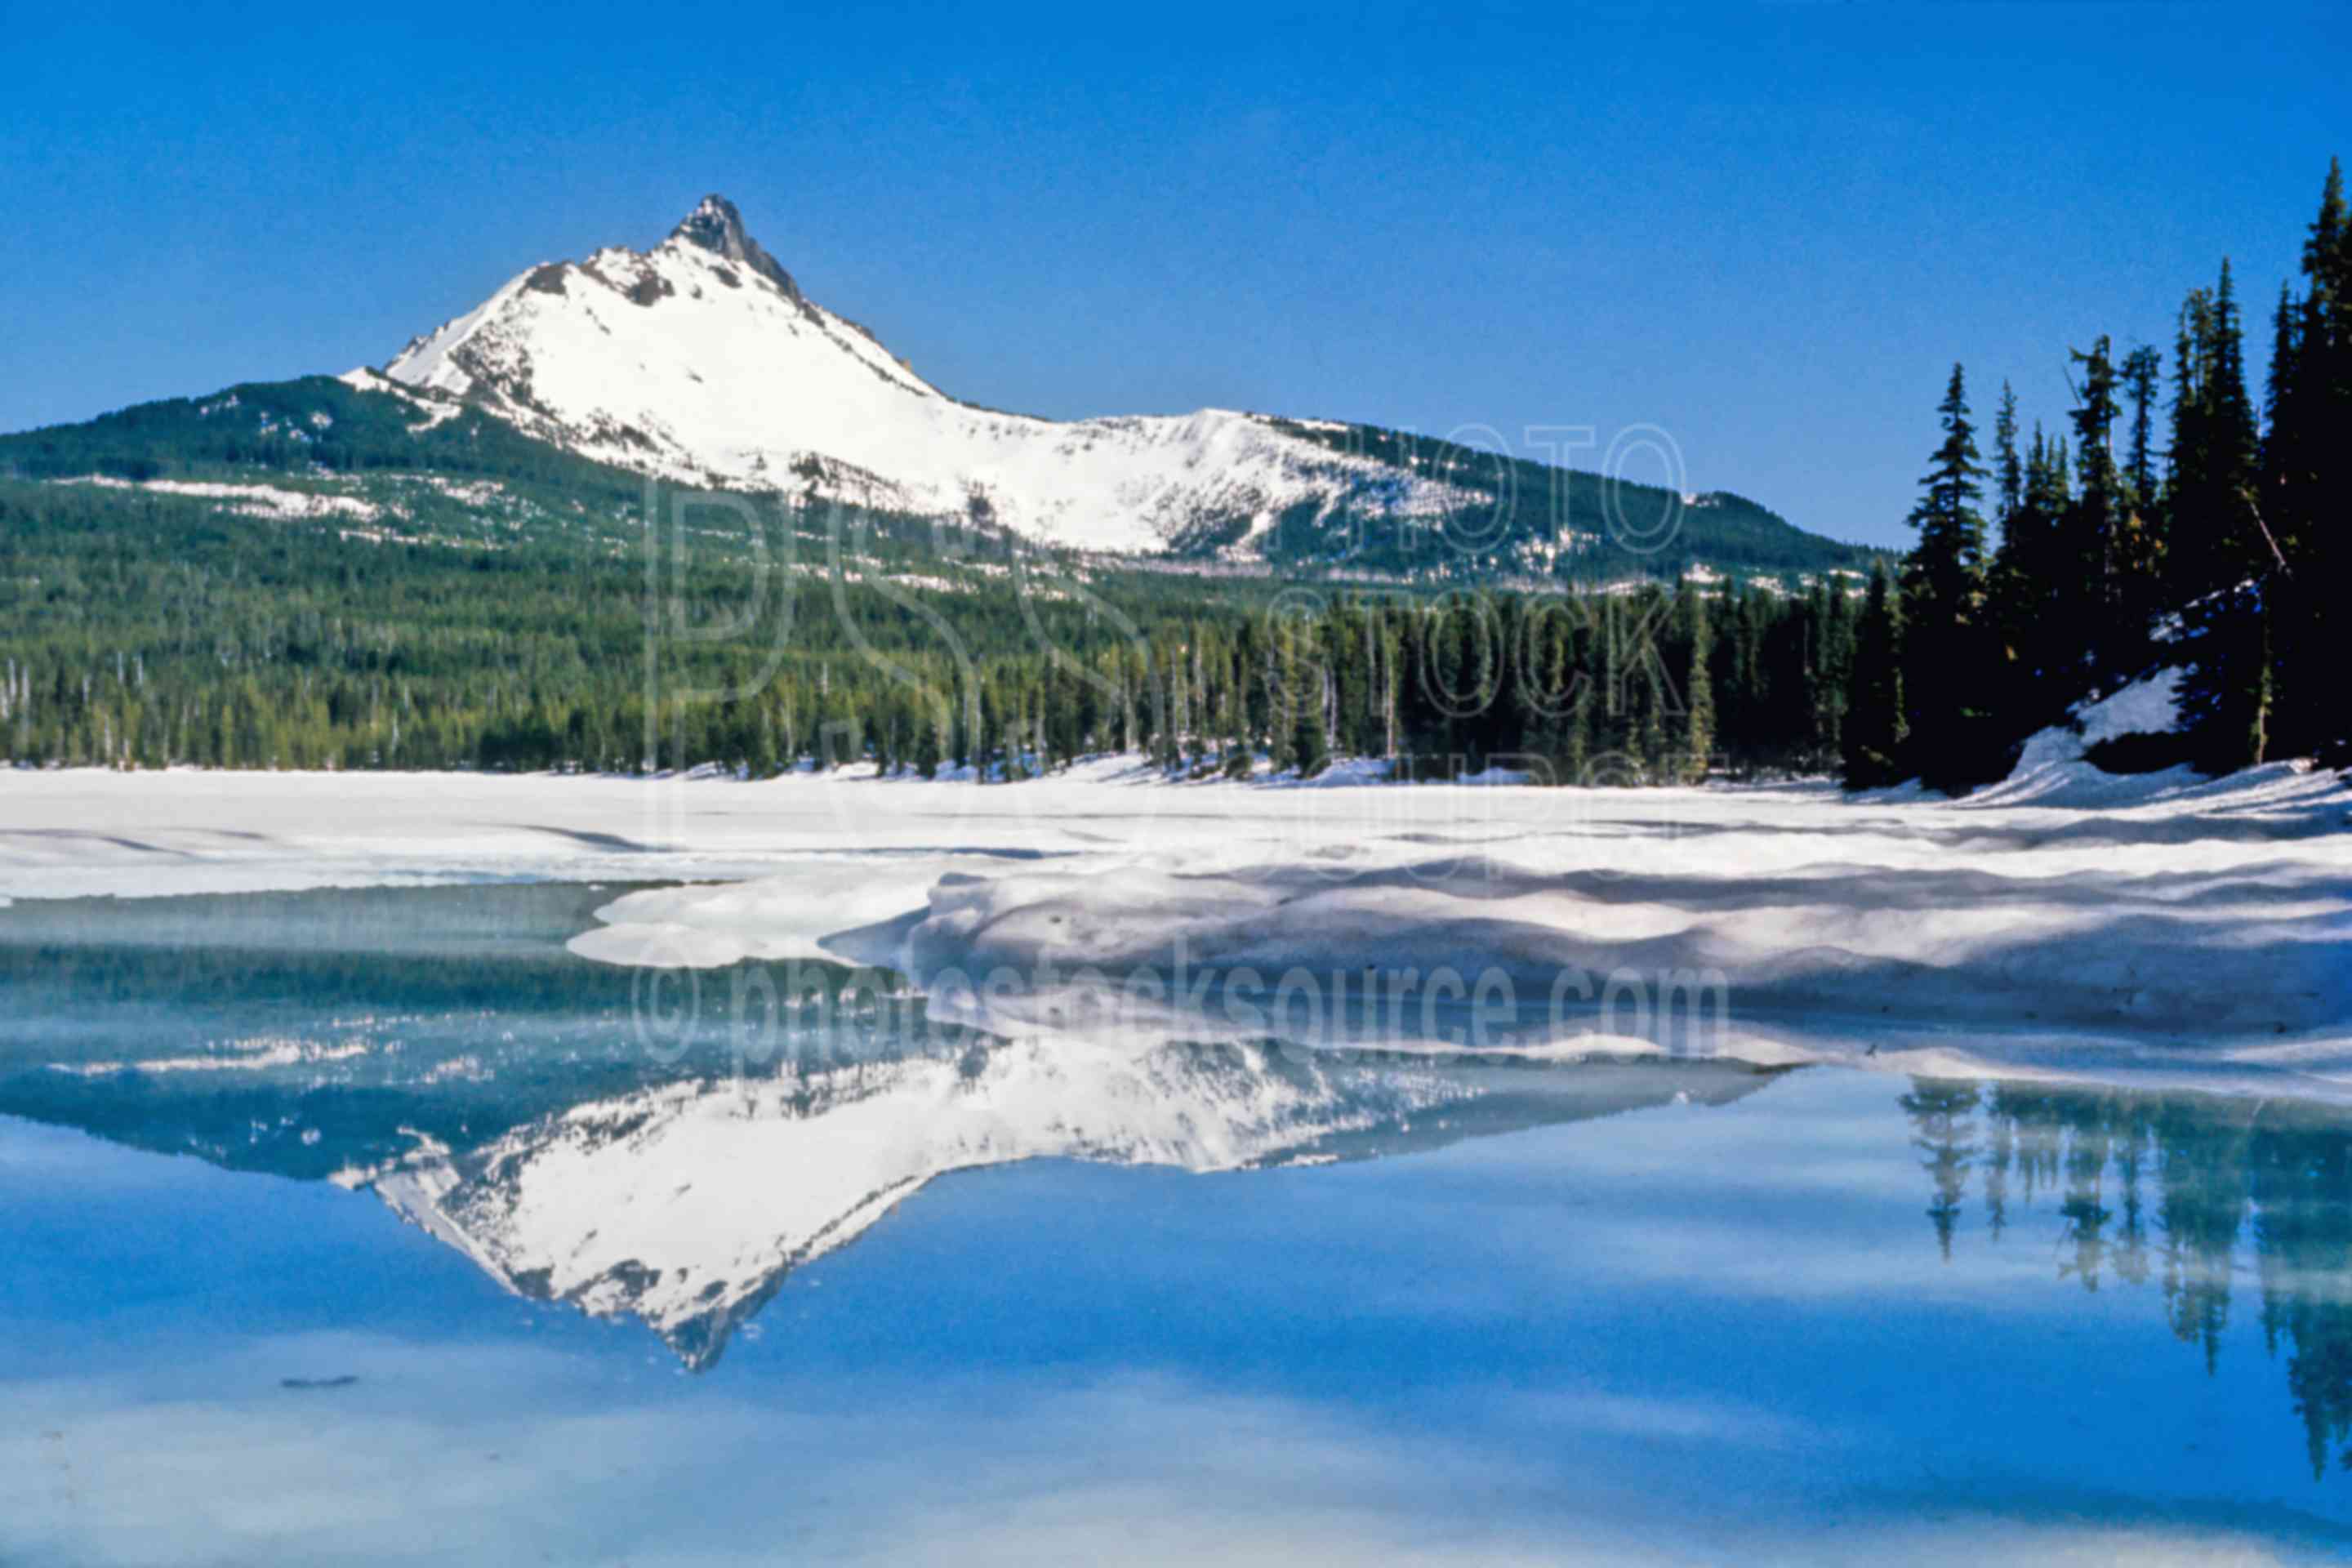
[(2220, 1172)]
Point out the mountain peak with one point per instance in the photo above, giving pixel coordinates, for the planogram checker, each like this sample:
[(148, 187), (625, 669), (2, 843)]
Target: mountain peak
[(700, 360), (717, 226)]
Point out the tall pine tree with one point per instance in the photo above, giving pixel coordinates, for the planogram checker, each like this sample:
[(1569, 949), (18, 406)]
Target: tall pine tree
[(2219, 575), (1694, 748), (1876, 726), (2009, 472), (2307, 472), (1946, 668)]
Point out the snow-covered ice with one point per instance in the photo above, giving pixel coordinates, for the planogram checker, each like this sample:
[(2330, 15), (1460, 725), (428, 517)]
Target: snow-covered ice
[(2168, 923)]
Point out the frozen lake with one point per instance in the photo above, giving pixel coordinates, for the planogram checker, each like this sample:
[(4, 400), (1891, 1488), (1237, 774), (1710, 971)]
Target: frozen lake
[(367, 1225)]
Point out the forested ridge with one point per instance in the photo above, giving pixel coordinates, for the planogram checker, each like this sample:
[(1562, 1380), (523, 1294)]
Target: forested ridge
[(147, 629), (1531, 520), (314, 424)]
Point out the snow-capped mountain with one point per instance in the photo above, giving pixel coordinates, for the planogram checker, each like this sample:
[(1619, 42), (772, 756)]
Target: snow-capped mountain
[(703, 360)]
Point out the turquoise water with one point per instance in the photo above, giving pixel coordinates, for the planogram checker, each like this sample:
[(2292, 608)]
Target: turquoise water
[(1639, 1313)]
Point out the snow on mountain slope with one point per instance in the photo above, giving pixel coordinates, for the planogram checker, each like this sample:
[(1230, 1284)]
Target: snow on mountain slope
[(701, 360)]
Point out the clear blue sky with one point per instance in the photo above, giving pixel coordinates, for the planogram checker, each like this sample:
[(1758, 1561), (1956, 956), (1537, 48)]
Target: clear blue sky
[(1769, 231)]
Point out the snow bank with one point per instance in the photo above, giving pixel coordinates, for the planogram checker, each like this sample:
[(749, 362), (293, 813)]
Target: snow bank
[(2050, 770), (782, 916), (2236, 953)]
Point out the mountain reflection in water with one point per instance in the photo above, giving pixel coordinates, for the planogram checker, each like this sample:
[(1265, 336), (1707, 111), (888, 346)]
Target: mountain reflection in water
[(440, 1048)]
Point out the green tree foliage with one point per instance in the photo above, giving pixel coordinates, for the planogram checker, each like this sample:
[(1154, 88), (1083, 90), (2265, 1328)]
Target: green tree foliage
[(2141, 369), (2215, 449), (2090, 594), (2236, 556), (146, 629), (1695, 745), (2305, 510), (1945, 685), (2008, 467), (2217, 566), (1877, 727)]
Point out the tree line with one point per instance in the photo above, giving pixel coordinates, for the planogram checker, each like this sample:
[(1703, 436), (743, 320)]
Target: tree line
[(2103, 557), (146, 629)]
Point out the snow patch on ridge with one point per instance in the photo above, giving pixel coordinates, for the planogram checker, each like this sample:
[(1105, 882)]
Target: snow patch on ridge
[(438, 410)]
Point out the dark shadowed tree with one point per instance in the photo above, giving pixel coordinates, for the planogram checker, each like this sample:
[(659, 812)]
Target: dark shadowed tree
[(1875, 722), (1945, 648)]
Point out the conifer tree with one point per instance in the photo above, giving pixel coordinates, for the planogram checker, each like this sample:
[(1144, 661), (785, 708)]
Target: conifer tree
[(2310, 487), (2009, 473), (2030, 641), (2220, 580), (2214, 449), (1577, 752), (1875, 726), (2092, 595), (1832, 656), (1545, 694), (1310, 746), (1695, 745), (2140, 370), (2284, 469), (2140, 542), (1943, 597)]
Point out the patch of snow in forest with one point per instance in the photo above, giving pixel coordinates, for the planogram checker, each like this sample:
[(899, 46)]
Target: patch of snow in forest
[(254, 501), (2050, 770)]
